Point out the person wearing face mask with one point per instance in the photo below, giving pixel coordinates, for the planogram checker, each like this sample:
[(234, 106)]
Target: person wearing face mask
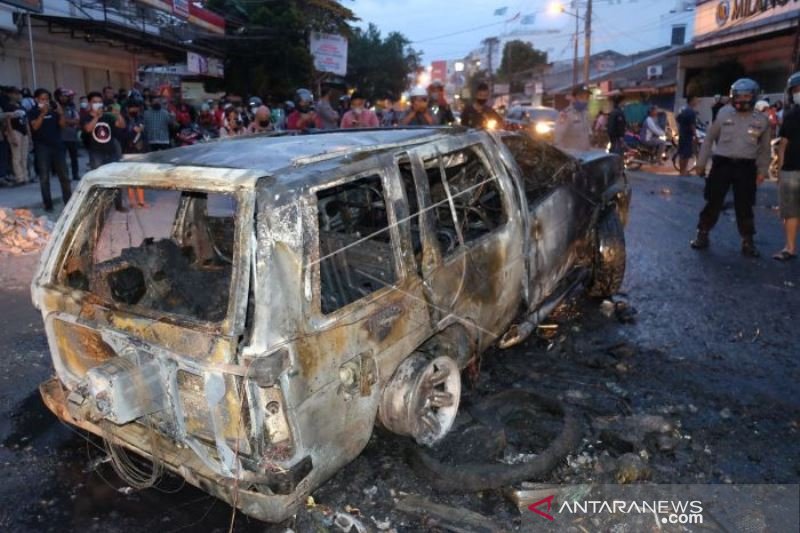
[(478, 113), (741, 157), (303, 117), (358, 116), (439, 108), (261, 121), (418, 114), (573, 128), (789, 173), (46, 121), (157, 124), (70, 132), (104, 127)]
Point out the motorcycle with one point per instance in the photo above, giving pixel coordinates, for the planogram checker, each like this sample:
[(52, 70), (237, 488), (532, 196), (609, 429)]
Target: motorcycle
[(637, 153)]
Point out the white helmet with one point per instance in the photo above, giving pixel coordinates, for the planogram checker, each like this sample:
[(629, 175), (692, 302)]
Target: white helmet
[(762, 105), (418, 92)]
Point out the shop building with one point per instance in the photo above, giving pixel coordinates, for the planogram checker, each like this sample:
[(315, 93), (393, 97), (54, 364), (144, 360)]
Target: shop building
[(758, 39), (86, 45)]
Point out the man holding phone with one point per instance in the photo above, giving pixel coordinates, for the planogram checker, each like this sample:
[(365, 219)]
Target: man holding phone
[(46, 120)]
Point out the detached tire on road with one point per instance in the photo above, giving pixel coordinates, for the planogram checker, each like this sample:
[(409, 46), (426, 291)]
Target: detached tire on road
[(608, 269)]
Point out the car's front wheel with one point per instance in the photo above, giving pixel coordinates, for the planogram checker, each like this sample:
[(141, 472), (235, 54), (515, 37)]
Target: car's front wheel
[(608, 269)]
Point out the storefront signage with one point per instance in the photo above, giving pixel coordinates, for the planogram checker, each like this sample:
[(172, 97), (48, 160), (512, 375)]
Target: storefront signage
[(718, 15), (194, 14), (733, 10)]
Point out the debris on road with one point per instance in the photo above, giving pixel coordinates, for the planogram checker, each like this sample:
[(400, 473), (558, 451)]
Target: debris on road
[(21, 232), (348, 523), (448, 518), (631, 468)]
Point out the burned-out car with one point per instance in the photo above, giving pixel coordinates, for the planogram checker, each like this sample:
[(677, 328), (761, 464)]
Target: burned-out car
[(279, 296)]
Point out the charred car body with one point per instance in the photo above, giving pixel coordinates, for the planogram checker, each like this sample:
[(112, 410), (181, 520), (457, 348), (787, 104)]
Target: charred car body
[(281, 295)]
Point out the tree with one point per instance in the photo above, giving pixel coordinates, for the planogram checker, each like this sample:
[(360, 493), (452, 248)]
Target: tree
[(519, 61), (379, 66), (266, 47)]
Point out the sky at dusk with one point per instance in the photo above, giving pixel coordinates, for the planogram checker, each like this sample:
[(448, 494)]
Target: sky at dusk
[(451, 29)]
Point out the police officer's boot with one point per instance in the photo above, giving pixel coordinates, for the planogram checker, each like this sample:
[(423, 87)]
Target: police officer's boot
[(701, 242), (749, 248)]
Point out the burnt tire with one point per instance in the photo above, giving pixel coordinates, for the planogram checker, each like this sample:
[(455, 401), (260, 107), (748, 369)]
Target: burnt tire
[(608, 269)]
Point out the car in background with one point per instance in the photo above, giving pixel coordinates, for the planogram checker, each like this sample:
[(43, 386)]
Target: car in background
[(539, 122)]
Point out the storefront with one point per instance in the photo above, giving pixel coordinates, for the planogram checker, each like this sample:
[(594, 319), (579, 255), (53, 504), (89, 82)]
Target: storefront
[(89, 48), (757, 39)]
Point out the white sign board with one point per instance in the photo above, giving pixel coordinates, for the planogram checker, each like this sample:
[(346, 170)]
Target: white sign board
[(329, 52), (718, 15)]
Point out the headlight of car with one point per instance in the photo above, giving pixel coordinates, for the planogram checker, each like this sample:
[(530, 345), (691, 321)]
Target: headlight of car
[(542, 128)]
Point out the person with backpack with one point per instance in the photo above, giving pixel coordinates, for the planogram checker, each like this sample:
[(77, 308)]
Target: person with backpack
[(687, 131)]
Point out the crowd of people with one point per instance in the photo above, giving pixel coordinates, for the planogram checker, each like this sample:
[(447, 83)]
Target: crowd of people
[(41, 133)]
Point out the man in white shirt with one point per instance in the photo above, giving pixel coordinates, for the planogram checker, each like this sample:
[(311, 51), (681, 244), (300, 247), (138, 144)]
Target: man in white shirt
[(653, 132)]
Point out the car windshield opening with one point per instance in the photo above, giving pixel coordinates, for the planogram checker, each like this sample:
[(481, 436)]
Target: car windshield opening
[(172, 255)]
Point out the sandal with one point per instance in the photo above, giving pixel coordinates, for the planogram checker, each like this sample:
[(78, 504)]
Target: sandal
[(784, 255)]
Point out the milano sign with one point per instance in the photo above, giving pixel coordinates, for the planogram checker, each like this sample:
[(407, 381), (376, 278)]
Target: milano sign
[(718, 15)]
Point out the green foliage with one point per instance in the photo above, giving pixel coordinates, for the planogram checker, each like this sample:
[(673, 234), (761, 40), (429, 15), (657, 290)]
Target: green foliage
[(519, 61), (378, 66), (267, 54)]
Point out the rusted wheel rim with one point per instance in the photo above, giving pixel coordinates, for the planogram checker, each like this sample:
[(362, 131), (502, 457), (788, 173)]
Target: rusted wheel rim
[(436, 399)]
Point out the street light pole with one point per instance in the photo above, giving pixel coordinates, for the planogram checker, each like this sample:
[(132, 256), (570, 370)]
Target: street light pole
[(587, 43)]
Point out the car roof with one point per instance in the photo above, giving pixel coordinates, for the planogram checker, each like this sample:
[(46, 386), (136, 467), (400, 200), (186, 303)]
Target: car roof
[(271, 153)]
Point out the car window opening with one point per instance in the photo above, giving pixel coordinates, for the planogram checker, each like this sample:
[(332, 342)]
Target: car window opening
[(355, 242), (462, 178), (542, 166), (174, 256)]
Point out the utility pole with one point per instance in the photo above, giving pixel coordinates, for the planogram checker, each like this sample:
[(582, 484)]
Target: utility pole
[(575, 51), (587, 41)]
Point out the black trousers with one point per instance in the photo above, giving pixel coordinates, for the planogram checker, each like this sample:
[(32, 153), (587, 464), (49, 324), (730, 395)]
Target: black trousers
[(72, 151), (726, 173), (49, 160)]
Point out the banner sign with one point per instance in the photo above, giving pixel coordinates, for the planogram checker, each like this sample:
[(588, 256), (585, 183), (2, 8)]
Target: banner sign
[(207, 66), (194, 14), (329, 52)]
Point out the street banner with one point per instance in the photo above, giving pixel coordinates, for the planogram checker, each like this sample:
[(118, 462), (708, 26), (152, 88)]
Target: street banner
[(329, 52), (34, 6)]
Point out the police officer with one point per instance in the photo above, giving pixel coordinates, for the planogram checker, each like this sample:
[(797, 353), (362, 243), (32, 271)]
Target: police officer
[(741, 160), (573, 128)]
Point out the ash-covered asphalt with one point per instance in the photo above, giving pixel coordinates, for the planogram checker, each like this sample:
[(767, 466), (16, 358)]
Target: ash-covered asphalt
[(698, 385)]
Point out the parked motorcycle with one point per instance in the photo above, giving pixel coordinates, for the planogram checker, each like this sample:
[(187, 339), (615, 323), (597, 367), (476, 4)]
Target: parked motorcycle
[(637, 153)]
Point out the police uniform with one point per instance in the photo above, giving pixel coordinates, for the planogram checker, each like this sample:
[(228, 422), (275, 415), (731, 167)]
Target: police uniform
[(573, 130), (741, 153)]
